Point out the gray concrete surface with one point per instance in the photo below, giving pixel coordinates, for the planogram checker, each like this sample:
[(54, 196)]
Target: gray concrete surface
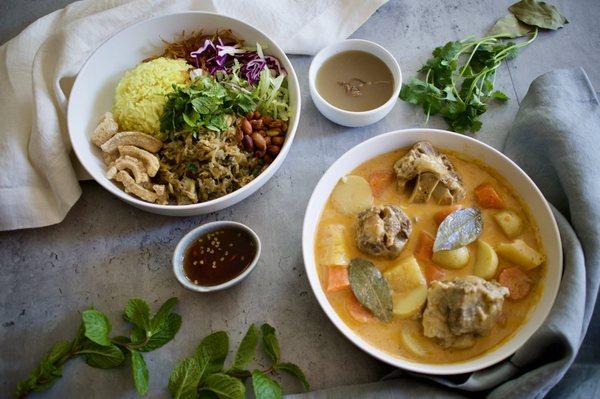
[(105, 251)]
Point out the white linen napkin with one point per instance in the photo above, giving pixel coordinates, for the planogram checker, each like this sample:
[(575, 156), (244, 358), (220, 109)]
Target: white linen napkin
[(39, 182)]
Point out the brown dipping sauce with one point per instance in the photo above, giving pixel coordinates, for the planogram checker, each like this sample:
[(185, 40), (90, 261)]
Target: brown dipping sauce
[(355, 81), (219, 256)]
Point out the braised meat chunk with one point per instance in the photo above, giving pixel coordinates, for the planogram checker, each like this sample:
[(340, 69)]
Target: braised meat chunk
[(429, 174), (458, 310), (382, 231)]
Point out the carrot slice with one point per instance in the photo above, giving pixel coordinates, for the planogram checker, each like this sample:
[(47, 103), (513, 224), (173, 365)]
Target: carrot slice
[(337, 278), (358, 311), (443, 214), (379, 180), (488, 197), (432, 272), (424, 249), (516, 281)]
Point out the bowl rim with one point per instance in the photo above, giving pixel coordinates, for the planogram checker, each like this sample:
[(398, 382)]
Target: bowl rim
[(256, 182), (396, 66), (190, 236), (465, 366)]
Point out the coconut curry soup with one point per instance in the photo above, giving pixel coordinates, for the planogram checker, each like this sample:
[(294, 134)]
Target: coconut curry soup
[(428, 256)]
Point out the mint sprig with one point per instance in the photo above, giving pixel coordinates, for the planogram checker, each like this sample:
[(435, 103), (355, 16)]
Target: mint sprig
[(204, 375), (94, 344)]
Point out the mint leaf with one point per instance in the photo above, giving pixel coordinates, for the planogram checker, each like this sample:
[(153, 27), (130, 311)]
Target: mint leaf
[(247, 348), (164, 333), (270, 342), (97, 326), (137, 335), (184, 380), (47, 372), (224, 386), (140, 372), (265, 387), (215, 346), (162, 313), (103, 357), (295, 371), (137, 312)]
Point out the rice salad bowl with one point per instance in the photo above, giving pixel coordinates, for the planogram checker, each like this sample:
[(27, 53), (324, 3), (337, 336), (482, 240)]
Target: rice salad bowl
[(196, 121)]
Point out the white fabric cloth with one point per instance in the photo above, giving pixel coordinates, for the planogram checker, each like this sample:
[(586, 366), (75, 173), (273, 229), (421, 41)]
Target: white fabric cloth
[(39, 182)]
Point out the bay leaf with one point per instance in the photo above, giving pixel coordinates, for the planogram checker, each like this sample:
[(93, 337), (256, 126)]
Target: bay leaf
[(370, 288), (460, 228), (538, 13), (510, 27)]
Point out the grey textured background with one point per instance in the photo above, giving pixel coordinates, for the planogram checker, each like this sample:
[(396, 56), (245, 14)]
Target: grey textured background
[(106, 251)]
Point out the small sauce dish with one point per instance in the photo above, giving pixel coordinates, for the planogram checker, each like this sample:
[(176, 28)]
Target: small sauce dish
[(216, 256), (355, 63)]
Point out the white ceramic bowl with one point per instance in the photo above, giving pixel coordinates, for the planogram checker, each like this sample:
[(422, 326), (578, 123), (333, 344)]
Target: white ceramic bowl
[(190, 237), (352, 118), (93, 94), (471, 148)]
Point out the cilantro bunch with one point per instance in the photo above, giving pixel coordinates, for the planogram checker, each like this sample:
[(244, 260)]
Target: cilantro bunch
[(204, 375), (459, 78), (98, 349)]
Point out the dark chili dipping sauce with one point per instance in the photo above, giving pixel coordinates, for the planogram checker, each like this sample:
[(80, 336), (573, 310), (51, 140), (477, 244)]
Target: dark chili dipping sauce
[(219, 256)]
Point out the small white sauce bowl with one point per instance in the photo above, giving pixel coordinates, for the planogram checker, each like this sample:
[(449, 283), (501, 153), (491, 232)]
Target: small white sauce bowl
[(192, 236), (354, 118)]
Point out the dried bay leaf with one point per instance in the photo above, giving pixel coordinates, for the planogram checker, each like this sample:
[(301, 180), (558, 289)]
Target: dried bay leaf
[(460, 228), (538, 13), (370, 288), (510, 27)]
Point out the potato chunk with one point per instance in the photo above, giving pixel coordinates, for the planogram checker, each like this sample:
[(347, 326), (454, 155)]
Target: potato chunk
[(415, 342), (486, 261), (351, 195), (452, 259), (510, 223), (333, 246), (405, 275), (409, 303), (520, 253)]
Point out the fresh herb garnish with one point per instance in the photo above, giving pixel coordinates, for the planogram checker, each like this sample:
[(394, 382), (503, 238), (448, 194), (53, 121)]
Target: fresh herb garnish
[(204, 374), (203, 104), (459, 78), (99, 350)]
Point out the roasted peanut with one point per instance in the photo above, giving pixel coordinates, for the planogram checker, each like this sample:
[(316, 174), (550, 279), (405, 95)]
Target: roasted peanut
[(268, 140), (248, 143), (249, 115), (259, 142), (246, 126), (268, 158), (273, 132), (267, 119), (274, 150), (278, 140), (239, 135), (259, 154), (256, 114)]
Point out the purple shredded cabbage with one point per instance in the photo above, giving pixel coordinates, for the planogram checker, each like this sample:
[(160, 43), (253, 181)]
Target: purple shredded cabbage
[(219, 57)]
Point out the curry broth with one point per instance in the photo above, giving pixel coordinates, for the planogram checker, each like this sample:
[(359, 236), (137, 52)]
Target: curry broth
[(387, 336)]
